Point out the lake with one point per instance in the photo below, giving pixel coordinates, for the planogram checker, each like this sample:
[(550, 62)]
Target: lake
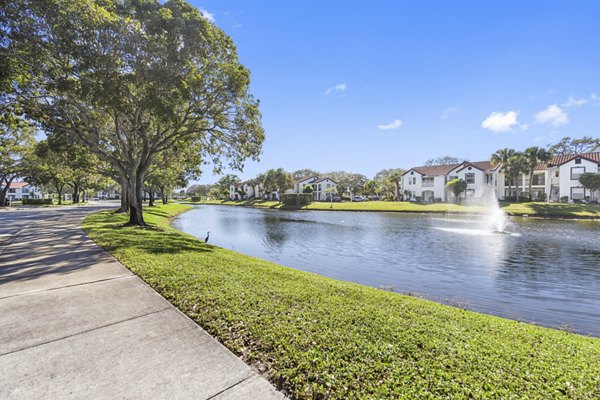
[(542, 271)]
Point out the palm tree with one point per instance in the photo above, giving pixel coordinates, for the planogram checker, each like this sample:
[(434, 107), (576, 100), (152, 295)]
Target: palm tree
[(501, 156), (395, 177), (534, 156), (515, 166)]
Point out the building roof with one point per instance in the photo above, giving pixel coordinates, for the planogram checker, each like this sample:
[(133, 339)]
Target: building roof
[(18, 185), (565, 158), (324, 179), (557, 161), (434, 170), (305, 178)]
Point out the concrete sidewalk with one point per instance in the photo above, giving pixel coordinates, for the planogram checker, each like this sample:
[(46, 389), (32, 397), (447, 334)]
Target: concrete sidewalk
[(75, 323)]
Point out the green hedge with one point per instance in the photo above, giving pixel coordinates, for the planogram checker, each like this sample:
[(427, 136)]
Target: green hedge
[(37, 202), (297, 199), (195, 199)]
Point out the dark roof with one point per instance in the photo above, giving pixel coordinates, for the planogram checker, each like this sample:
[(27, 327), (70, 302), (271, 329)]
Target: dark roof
[(323, 179), (480, 165), (434, 170), (304, 178)]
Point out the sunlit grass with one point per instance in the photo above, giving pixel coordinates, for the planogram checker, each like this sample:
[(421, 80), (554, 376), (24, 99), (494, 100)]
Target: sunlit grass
[(534, 209), (316, 337)]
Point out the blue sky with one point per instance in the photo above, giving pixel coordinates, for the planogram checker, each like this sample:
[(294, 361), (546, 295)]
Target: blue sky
[(348, 85)]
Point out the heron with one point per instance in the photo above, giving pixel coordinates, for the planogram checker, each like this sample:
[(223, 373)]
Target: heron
[(206, 238)]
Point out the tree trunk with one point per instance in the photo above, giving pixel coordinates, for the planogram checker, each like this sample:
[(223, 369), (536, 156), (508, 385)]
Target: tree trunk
[(135, 185), (4, 191), (124, 197), (76, 190), (59, 189), (530, 184), (151, 194), (163, 195)]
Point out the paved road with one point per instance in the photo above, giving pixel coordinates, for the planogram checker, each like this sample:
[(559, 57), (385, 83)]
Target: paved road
[(75, 324)]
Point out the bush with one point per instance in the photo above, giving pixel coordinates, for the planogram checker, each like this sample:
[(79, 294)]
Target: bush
[(195, 199), (510, 199), (297, 199), (37, 202), (541, 196), (564, 199)]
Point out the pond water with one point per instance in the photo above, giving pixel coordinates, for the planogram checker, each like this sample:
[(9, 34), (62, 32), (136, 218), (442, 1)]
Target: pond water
[(540, 271)]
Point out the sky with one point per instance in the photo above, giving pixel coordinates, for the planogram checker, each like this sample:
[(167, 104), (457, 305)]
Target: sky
[(356, 86)]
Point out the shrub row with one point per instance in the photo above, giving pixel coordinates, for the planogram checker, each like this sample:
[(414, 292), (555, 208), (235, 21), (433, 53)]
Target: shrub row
[(37, 201), (297, 199)]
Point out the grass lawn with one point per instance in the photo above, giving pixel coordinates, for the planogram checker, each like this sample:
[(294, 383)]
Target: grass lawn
[(318, 338), (359, 206), (554, 210), (535, 209)]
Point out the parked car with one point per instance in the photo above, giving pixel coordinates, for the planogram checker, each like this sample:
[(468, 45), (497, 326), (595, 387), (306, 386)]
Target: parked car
[(359, 198), (337, 199), (375, 198)]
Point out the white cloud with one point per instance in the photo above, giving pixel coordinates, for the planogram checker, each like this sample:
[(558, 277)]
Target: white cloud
[(573, 102), (392, 125), (210, 17), (339, 88), (448, 112), (501, 122), (552, 115)]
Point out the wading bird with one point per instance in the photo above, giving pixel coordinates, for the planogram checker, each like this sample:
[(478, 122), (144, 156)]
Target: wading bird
[(206, 238)]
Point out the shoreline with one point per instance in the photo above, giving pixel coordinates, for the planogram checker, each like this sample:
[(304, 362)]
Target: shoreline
[(281, 207)]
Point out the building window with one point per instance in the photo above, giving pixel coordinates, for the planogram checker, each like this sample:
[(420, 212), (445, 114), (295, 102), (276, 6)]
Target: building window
[(578, 161), (452, 177), (577, 193), (414, 181), (556, 174), (12, 190), (576, 172), (538, 180), (470, 178), (427, 182)]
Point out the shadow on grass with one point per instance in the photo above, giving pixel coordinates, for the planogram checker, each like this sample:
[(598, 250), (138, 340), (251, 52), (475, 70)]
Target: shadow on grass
[(149, 239), (563, 210)]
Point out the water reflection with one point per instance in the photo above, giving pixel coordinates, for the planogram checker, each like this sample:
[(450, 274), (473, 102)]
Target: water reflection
[(543, 271)]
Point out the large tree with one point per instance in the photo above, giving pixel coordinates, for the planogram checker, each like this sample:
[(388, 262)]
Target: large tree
[(224, 183), (514, 168), (348, 182), (457, 186), (443, 160), (591, 181), (17, 142), (130, 79), (276, 180), (534, 156), (390, 180), (568, 145)]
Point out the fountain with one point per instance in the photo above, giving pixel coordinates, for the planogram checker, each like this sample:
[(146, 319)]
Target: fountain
[(497, 217), (493, 222)]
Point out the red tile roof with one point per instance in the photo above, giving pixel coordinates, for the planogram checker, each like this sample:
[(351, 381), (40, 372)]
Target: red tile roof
[(565, 158), (18, 185)]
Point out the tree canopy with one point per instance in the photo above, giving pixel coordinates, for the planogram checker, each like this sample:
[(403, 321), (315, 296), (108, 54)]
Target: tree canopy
[(131, 79), (568, 145), (443, 160)]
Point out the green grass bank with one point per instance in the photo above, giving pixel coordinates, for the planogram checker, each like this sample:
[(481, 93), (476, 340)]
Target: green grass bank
[(318, 338), (533, 209)]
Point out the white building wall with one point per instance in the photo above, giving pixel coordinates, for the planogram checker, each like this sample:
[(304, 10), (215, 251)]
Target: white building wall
[(566, 183)]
